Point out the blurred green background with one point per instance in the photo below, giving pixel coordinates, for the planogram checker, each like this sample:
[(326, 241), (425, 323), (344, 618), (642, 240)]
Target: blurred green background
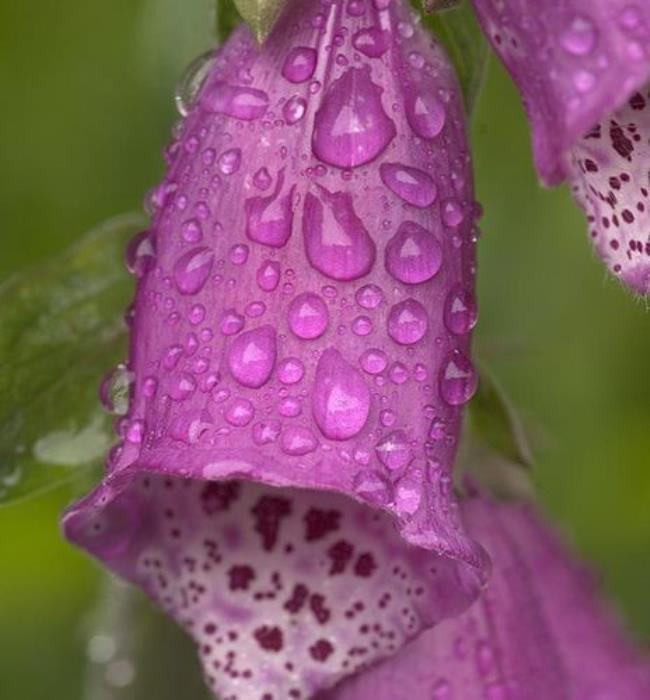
[(87, 109)]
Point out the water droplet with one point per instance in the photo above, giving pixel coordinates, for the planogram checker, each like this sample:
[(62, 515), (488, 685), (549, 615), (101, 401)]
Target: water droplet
[(269, 219), (262, 179), (362, 326), (351, 127), (410, 184), (268, 275), (458, 380), (140, 256), (460, 311), (252, 356), (373, 361), (266, 432), (336, 240), (192, 231), (290, 407), (231, 322), (229, 161), (407, 322), (192, 269), (371, 41), (425, 113), (398, 373), (240, 413), (308, 316), (340, 399), (579, 39), (452, 213), (181, 386), (191, 81), (235, 101), (297, 441), (394, 451), (371, 488), (291, 370), (239, 254), (413, 255), (300, 64), (370, 296), (115, 390), (294, 109)]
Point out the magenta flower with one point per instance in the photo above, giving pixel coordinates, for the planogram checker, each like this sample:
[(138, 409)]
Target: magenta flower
[(300, 358), (583, 68), (541, 630)]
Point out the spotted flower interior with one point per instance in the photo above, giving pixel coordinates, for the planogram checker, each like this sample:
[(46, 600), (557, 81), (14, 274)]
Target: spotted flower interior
[(299, 357)]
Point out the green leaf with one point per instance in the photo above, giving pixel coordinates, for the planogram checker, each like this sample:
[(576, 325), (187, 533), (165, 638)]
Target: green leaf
[(136, 652), (494, 422), (462, 37), (61, 329), (260, 15)]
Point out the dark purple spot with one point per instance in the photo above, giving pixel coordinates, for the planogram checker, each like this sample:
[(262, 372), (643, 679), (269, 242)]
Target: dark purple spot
[(321, 650), (218, 496), (365, 565), (268, 512), (320, 523), (340, 553), (240, 577), (269, 638)]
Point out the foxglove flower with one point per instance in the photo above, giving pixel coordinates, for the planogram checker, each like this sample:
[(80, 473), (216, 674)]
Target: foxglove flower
[(583, 68), (541, 629), (299, 355)]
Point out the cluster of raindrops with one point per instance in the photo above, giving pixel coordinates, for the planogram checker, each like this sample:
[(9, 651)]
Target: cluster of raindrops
[(611, 182), (269, 582), (308, 277)]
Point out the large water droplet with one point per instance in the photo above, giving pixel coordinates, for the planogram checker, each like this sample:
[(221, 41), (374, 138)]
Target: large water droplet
[(413, 254), (336, 240), (291, 370), (300, 64), (252, 356), (458, 380), (394, 451), (351, 127), (191, 81), (424, 111), (371, 41), (240, 412), (308, 316), (140, 256), (192, 269), (340, 399), (460, 311), (269, 219), (268, 275), (235, 101), (579, 39), (412, 185), (115, 390), (294, 109), (297, 441), (407, 322), (229, 161), (373, 361)]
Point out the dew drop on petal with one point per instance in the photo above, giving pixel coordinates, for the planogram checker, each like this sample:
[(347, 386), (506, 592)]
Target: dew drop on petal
[(252, 355), (407, 322), (458, 379)]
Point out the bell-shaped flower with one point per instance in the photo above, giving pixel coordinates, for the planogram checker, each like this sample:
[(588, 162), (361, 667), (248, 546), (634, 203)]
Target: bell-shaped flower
[(583, 69), (299, 355), (541, 630)]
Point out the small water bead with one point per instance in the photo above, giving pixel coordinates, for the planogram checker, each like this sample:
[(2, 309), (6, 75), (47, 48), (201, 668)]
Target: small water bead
[(300, 64), (336, 241), (235, 101), (191, 81), (297, 441), (362, 326), (394, 451), (172, 356), (135, 432), (398, 373), (192, 231), (371, 41), (150, 387), (239, 254), (199, 365), (220, 395), (268, 275), (351, 127), (240, 412), (252, 355), (414, 254), (340, 399), (370, 296), (255, 309), (229, 161), (452, 213), (269, 219), (579, 39), (192, 270), (460, 313), (584, 80), (458, 379), (308, 316), (266, 432), (410, 184), (373, 361), (231, 322), (387, 418), (262, 179), (294, 109), (425, 113), (290, 407), (407, 322), (420, 372), (291, 370), (181, 386), (407, 498), (115, 390), (196, 314), (356, 8), (140, 255)]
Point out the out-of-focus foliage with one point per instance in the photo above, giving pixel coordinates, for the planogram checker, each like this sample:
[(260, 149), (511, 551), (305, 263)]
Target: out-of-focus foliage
[(88, 106)]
